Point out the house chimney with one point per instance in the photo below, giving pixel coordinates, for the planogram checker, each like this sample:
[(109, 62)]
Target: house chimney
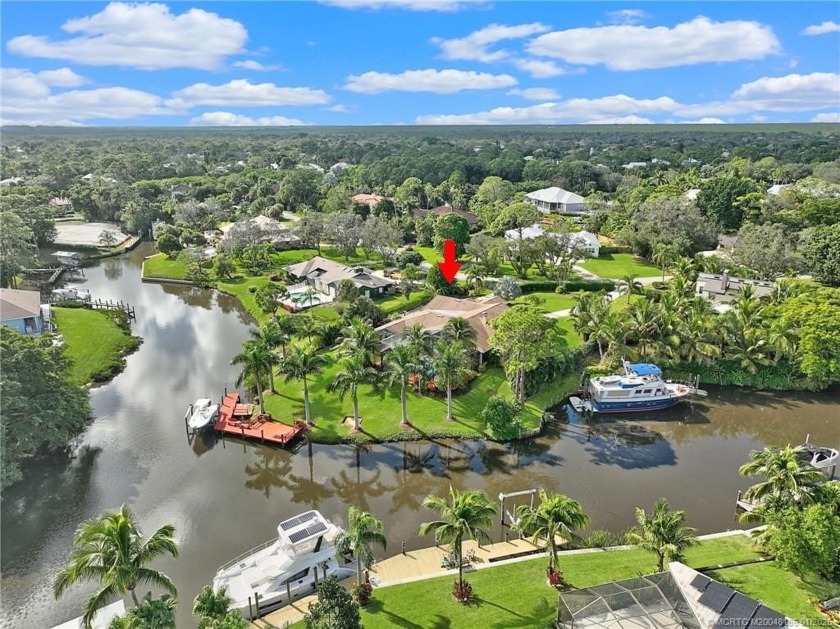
[(724, 280)]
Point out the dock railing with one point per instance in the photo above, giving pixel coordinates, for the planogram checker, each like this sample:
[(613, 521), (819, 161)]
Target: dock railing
[(239, 558)]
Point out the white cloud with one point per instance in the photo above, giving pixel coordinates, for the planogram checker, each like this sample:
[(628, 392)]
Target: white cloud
[(791, 93), (575, 110), (28, 99), (145, 36), (243, 93), (340, 109), (794, 92), (436, 81), (822, 29), (626, 16), (535, 93), (474, 47), (250, 64), (228, 119), (62, 77), (703, 121), (833, 116), (539, 68), (639, 47), (442, 6)]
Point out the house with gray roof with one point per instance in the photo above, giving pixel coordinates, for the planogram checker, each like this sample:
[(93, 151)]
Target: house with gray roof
[(325, 275), (721, 289), (556, 200), (21, 310)]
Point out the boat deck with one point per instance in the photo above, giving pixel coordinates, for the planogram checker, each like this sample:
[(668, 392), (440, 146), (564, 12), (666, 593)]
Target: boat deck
[(235, 420)]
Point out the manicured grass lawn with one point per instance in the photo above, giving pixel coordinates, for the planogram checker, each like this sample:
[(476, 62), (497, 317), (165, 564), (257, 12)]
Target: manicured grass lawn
[(380, 409), (515, 595), (238, 286), (621, 302), (780, 590), (163, 267), (572, 337), (617, 265), (292, 256), (95, 344), (430, 254), (553, 301), (398, 303)]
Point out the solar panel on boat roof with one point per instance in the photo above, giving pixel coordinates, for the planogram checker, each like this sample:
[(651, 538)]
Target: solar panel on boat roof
[(765, 617), (298, 536), (716, 596), (738, 611), (700, 582), (315, 528), (290, 524)]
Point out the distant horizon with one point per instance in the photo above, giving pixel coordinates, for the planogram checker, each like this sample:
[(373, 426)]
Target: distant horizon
[(384, 63)]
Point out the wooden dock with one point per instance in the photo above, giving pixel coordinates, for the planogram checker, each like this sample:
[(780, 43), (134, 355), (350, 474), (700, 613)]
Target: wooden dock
[(237, 420)]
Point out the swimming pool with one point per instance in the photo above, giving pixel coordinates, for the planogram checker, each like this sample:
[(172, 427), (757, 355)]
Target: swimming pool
[(302, 299)]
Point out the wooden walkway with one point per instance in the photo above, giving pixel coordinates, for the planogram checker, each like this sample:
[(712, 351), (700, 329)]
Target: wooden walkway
[(414, 565), (235, 420)]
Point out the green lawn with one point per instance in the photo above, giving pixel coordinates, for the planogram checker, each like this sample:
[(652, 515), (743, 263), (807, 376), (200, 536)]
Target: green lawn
[(94, 343), (398, 303), (780, 590), (163, 267), (572, 337), (552, 301), (292, 256), (332, 253), (617, 265), (380, 410), (515, 595), (430, 254)]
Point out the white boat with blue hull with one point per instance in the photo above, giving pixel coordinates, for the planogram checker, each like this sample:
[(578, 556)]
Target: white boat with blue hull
[(639, 388)]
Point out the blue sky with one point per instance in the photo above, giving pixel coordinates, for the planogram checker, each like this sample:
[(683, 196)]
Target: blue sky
[(340, 62)]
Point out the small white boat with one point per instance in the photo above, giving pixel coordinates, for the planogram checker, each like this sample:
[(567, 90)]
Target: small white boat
[(580, 406), (72, 294), (283, 569), (202, 412), (820, 457)]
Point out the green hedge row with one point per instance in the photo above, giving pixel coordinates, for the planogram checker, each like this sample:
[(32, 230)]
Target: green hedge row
[(588, 286)]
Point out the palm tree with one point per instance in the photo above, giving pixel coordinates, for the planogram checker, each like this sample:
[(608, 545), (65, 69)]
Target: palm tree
[(363, 531), (476, 273), (556, 516), (269, 338), (662, 532), (468, 514), (285, 327), (420, 339), (301, 363), (256, 360), (458, 330), (353, 372), (401, 366), (644, 325), (110, 549), (210, 605), (787, 477), (663, 255), (630, 285), (307, 327), (450, 364), (359, 337)]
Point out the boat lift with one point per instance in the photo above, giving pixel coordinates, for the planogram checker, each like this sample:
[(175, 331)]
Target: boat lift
[(512, 519)]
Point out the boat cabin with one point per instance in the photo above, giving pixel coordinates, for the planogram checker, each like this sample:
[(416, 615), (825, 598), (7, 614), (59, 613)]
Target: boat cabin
[(303, 534)]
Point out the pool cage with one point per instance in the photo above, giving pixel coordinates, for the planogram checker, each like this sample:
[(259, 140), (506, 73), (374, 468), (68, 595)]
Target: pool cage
[(650, 602)]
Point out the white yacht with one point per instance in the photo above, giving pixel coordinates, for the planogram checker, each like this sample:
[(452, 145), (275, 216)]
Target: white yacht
[(284, 569), (202, 413), (639, 388)]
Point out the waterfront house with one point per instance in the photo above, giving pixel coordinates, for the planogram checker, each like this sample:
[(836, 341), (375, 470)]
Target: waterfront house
[(556, 200), (266, 229), (721, 289), (434, 316), (584, 241), (444, 209), (21, 310), (325, 275)]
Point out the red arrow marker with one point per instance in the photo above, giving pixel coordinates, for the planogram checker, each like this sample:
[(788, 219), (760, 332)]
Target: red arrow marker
[(449, 267)]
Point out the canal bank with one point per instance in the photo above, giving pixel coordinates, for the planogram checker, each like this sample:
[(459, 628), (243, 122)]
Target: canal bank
[(137, 451)]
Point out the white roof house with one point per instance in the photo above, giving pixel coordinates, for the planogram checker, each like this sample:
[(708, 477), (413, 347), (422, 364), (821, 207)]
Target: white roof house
[(584, 240), (556, 199), (630, 165), (775, 189), (691, 194)]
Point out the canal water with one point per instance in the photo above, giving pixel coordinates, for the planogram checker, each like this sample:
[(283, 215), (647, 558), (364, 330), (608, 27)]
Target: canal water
[(225, 497)]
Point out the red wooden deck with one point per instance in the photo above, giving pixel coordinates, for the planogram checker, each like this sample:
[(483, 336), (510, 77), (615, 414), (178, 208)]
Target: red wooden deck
[(265, 430)]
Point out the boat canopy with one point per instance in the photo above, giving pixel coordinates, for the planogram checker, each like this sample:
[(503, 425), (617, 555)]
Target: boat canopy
[(644, 369)]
